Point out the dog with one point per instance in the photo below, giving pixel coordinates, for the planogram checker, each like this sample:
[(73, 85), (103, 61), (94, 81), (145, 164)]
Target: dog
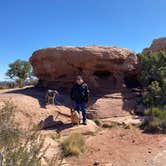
[(50, 96), (75, 117)]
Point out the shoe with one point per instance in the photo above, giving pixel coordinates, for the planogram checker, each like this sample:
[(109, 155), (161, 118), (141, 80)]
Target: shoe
[(84, 123)]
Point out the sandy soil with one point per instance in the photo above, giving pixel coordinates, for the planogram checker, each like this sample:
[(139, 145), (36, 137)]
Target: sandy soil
[(110, 147), (123, 147)]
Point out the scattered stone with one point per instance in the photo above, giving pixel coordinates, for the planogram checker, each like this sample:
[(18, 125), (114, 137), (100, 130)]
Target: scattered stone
[(133, 141), (126, 120), (96, 163)]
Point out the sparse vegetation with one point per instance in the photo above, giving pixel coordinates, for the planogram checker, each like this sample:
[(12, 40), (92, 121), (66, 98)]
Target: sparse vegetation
[(109, 125), (127, 126), (17, 148), (103, 124), (153, 80), (56, 136), (1, 87), (7, 85), (74, 145), (156, 120), (98, 122)]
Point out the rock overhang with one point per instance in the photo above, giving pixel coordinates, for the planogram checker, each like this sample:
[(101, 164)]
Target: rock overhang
[(51, 64)]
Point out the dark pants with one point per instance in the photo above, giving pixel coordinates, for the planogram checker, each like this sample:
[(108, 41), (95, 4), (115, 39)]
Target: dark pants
[(81, 107)]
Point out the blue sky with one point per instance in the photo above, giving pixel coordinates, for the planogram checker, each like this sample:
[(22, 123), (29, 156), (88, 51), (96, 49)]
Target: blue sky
[(27, 25)]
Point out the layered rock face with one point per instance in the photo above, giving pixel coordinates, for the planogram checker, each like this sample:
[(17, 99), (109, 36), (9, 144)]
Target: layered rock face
[(101, 67), (157, 45)]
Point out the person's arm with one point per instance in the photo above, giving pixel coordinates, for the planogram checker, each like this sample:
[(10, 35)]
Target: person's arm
[(72, 93), (86, 93)]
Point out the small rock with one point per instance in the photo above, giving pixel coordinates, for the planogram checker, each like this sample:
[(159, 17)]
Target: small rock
[(96, 163)]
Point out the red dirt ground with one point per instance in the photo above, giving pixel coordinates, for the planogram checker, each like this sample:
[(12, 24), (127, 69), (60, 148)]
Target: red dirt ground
[(122, 147), (111, 147)]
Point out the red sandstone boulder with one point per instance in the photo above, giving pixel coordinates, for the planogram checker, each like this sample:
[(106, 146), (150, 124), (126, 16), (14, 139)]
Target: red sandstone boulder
[(101, 67), (157, 45)]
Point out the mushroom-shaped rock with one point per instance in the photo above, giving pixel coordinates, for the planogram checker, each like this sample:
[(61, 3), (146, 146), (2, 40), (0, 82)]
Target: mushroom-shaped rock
[(100, 66)]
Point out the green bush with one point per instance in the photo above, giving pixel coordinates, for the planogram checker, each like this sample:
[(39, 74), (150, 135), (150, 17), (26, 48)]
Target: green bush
[(156, 119), (74, 145), (154, 94), (1, 87), (152, 124), (153, 80)]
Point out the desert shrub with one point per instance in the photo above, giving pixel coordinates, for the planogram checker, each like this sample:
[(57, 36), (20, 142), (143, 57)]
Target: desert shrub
[(73, 145), (109, 124), (17, 148), (127, 126), (103, 124), (1, 87), (152, 124), (153, 97), (7, 115), (157, 112), (56, 136), (153, 80), (98, 122), (156, 120)]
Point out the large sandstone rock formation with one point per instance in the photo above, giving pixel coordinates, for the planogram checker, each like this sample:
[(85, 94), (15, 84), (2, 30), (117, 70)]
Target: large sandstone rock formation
[(102, 67), (157, 45)]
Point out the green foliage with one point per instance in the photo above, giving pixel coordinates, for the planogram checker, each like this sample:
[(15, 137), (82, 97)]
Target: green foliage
[(156, 120), (16, 148), (19, 71), (154, 94), (74, 145), (156, 112), (153, 79), (1, 87), (153, 67)]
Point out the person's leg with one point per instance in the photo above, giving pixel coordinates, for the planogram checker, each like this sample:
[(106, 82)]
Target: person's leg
[(83, 109), (77, 107)]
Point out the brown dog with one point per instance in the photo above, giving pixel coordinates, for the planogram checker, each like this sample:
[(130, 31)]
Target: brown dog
[(50, 96), (75, 117)]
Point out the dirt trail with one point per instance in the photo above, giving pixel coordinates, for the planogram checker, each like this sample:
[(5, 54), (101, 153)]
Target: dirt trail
[(160, 158)]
